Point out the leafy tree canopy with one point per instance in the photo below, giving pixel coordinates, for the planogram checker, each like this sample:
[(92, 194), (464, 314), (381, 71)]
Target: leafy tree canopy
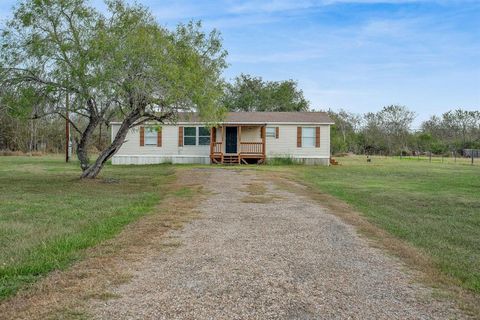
[(248, 93), (122, 64)]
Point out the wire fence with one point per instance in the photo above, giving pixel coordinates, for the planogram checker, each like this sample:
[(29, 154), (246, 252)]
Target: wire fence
[(451, 159)]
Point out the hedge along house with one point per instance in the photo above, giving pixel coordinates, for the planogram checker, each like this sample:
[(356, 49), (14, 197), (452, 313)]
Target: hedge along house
[(242, 138)]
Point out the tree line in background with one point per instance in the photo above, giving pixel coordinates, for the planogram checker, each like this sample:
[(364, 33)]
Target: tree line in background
[(389, 132), (21, 130), (22, 134)]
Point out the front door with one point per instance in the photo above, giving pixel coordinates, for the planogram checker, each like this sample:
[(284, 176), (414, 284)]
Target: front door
[(231, 140)]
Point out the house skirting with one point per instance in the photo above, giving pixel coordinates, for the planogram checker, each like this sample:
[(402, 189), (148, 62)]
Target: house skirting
[(154, 159), (312, 161), (195, 159)]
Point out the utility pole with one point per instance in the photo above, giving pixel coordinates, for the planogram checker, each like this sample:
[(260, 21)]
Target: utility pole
[(67, 130)]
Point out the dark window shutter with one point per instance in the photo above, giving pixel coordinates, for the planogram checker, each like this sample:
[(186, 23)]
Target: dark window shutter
[(299, 137), (317, 137), (180, 136), (159, 137), (142, 136), (277, 132)]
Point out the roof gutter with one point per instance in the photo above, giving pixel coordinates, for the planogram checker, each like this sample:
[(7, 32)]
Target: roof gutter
[(244, 123)]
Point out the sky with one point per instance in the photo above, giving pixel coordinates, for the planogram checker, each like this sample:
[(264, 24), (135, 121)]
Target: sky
[(359, 55)]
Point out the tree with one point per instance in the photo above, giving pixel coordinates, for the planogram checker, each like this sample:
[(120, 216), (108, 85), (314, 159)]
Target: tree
[(120, 65), (343, 132), (371, 134), (396, 121), (248, 93), (455, 129), (460, 125)]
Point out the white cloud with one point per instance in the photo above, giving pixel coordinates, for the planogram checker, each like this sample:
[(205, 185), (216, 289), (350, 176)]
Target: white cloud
[(177, 11), (270, 6), (277, 57), (237, 22)]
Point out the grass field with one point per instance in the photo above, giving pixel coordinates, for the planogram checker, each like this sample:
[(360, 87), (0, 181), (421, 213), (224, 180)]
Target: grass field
[(47, 215), (433, 206)]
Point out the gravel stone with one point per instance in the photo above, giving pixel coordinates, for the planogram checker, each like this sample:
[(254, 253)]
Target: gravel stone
[(283, 259)]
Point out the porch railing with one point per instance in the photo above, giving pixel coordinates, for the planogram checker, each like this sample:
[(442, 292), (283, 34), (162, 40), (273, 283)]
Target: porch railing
[(246, 148), (251, 147), (217, 148)]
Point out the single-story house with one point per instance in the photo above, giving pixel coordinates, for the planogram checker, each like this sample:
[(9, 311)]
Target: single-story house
[(243, 137)]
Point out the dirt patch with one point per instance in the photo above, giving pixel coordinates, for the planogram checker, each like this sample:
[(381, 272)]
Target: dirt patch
[(66, 294), (258, 193), (255, 188), (257, 199)]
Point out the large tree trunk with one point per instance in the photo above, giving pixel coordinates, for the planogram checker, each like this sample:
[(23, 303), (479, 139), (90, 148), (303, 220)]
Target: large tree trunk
[(82, 145), (92, 171)]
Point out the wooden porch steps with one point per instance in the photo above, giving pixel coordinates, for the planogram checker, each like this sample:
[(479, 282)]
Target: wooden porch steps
[(231, 159)]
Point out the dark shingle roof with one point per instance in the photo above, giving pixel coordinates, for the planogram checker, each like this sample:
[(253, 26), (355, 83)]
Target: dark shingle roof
[(266, 117)]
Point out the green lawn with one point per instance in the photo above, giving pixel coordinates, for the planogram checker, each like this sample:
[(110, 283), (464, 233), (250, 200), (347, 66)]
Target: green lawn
[(434, 206), (47, 215)]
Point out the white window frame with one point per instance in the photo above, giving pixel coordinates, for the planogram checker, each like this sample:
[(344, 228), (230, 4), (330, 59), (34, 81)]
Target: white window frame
[(197, 136), (190, 136), (271, 132), (150, 136), (308, 141), (204, 136)]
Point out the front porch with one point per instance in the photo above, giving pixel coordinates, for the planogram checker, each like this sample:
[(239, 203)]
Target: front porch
[(237, 144)]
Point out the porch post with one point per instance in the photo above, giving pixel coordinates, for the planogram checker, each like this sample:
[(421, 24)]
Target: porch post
[(239, 147), (263, 141), (223, 145), (240, 138), (212, 141)]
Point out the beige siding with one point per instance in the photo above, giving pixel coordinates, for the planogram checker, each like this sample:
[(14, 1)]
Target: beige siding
[(286, 144), (218, 135), (169, 144), (251, 134)]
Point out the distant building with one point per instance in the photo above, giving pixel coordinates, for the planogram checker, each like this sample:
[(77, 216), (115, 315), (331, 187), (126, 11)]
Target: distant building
[(468, 153)]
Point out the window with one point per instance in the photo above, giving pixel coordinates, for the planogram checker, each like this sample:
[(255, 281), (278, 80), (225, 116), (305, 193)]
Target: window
[(308, 137), (189, 136), (203, 136), (150, 136), (271, 132)]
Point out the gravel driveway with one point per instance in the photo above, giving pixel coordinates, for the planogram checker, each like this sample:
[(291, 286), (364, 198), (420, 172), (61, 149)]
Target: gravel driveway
[(271, 256)]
